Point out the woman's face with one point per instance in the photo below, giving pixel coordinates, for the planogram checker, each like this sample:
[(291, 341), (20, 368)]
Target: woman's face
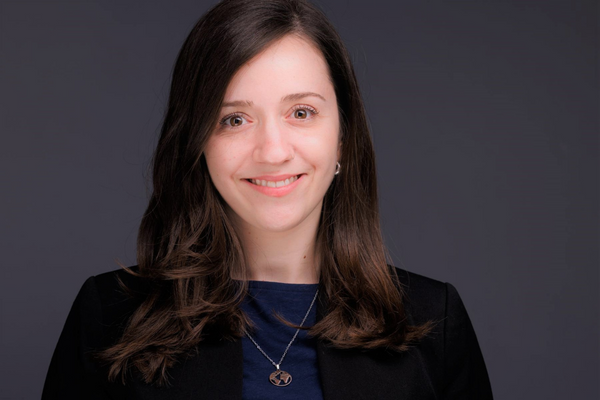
[(279, 120)]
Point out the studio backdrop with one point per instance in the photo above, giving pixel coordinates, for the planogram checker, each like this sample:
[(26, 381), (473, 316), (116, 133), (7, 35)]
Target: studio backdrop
[(484, 116)]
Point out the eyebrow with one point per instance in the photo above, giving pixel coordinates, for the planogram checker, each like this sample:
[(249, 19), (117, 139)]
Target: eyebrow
[(237, 103), (289, 97), (298, 96)]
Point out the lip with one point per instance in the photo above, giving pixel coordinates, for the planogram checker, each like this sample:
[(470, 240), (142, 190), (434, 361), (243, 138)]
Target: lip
[(276, 191), (274, 178)]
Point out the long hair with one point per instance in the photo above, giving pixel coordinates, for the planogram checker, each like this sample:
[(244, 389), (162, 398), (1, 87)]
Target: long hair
[(187, 246)]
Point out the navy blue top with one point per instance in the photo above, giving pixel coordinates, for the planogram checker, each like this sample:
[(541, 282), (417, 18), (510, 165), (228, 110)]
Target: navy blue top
[(291, 301)]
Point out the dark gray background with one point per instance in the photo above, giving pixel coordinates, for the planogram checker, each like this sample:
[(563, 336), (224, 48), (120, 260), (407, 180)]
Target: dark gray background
[(485, 120)]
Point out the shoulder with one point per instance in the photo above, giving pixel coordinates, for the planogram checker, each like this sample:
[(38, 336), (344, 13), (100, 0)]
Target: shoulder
[(453, 346), (103, 306), (110, 289), (428, 299), (117, 299), (425, 299), (97, 318)]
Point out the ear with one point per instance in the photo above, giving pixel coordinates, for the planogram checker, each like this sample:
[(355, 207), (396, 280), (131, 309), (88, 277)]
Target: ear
[(339, 152)]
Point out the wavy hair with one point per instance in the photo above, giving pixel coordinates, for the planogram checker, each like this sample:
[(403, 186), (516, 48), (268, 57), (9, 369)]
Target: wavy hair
[(187, 246)]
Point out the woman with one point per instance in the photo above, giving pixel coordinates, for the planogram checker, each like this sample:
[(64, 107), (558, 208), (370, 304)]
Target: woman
[(261, 268)]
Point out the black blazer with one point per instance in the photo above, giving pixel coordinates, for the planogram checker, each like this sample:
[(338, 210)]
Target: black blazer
[(448, 364)]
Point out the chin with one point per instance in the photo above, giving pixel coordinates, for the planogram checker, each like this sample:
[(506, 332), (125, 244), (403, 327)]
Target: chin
[(278, 226)]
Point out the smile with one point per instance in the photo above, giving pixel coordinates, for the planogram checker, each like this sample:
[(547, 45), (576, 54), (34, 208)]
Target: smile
[(275, 188), (274, 184)]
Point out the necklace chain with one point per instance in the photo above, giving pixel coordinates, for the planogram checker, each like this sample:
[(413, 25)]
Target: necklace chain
[(276, 365)]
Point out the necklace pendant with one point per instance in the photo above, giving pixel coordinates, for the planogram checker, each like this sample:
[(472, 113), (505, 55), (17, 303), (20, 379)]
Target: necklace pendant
[(280, 378)]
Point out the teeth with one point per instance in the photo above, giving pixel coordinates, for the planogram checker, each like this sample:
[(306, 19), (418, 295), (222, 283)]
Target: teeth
[(274, 184)]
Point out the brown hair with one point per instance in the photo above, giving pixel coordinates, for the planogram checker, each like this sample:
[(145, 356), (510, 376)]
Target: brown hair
[(188, 248)]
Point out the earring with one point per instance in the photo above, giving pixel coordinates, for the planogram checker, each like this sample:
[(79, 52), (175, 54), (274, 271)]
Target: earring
[(337, 168)]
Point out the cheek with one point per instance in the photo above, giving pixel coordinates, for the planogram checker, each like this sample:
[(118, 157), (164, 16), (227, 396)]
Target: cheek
[(215, 161), (326, 147), (221, 159)]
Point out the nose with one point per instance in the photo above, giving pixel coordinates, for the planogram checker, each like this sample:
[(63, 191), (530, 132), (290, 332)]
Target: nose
[(273, 143)]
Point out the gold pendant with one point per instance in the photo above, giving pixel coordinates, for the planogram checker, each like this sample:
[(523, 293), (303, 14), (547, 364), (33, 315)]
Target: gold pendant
[(280, 378)]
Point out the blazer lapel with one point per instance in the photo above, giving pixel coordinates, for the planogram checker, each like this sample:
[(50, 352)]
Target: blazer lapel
[(370, 375), (214, 373), (374, 374), (217, 371)]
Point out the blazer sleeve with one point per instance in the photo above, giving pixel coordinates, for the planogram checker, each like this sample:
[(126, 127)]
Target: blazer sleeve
[(466, 375), (72, 374)]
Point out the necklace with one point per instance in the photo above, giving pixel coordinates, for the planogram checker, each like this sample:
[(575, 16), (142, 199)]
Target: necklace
[(280, 377)]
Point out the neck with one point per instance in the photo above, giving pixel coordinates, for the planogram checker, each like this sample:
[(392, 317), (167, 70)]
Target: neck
[(286, 257)]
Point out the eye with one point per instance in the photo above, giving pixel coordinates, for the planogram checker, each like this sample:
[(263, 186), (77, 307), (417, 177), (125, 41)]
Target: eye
[(233, 120), (304, 112)]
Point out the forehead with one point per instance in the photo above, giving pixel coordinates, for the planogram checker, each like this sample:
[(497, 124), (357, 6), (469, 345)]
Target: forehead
[(290, 64)]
